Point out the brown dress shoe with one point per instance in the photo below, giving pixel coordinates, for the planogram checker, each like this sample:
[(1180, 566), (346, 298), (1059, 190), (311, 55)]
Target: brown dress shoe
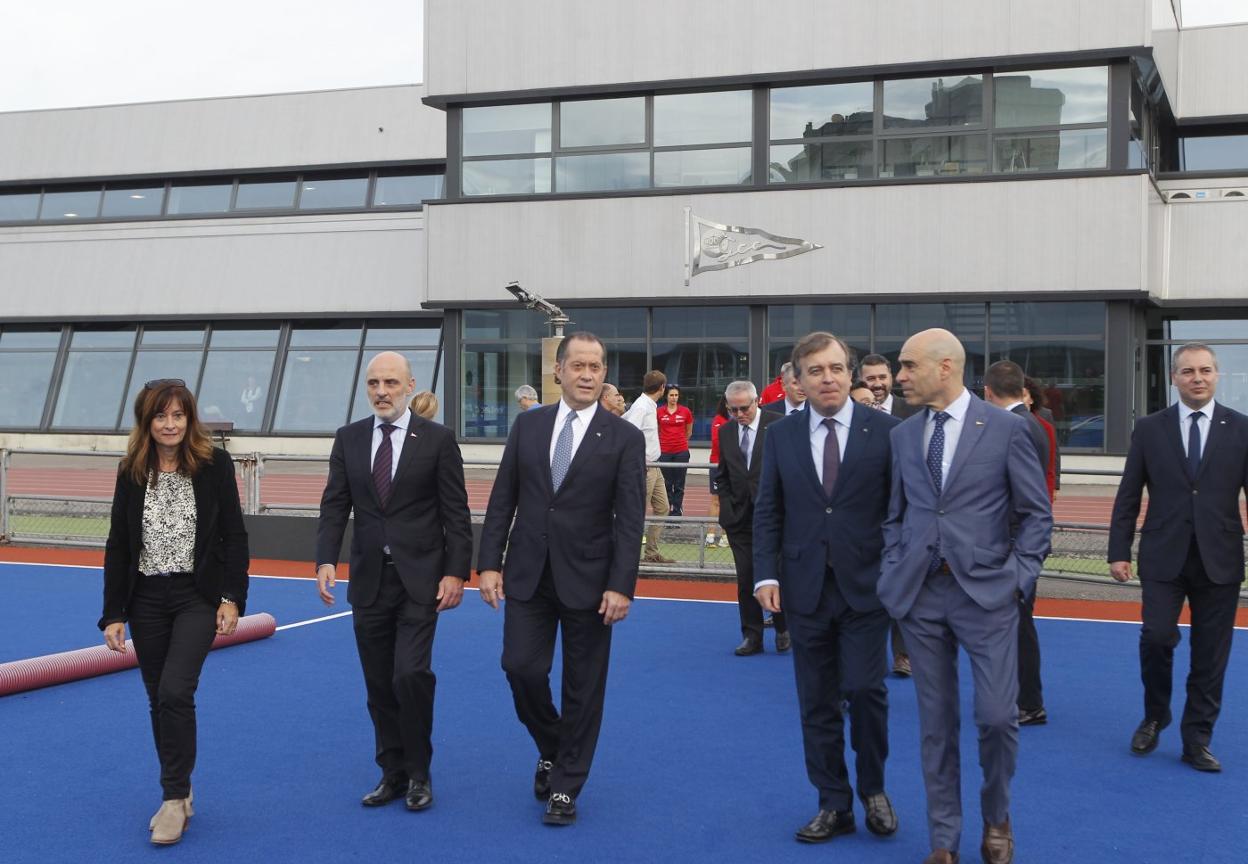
[(998, 845), (901, 666), (941, 856)]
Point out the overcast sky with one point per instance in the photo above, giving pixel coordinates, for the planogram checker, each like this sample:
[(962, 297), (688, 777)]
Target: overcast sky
[(65, 53)]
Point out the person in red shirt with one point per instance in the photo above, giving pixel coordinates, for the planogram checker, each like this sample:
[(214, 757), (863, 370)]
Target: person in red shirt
[(675, 427), (772, 392), (720, 418)]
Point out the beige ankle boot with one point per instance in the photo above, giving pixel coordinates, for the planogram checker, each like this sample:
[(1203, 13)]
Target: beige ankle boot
[(189, 811), (170, 821)]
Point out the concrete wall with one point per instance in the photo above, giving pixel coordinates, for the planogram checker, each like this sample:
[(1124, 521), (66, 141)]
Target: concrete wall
[(1213, 71), (1208, 257)]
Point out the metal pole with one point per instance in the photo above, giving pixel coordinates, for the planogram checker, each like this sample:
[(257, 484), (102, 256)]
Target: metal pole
[(4, 494)]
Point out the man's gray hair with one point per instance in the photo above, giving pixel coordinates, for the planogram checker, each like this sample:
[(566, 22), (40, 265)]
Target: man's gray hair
[(787, 369), (525, 391), (1192, 346), (737, 387)]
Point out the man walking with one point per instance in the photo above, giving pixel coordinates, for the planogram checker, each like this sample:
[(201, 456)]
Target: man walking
[(642, 414)]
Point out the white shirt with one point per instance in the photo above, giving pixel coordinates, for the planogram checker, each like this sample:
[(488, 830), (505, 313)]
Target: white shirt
[(1203, 424), (579, 426), (887, 405), (397, 436), (642, 414), (819, 433), (1012, 406), (790, 407), (953, 431), (753, 427)]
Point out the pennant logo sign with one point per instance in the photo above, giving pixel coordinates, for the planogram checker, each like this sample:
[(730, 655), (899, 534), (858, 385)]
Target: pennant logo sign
[(711, 246)]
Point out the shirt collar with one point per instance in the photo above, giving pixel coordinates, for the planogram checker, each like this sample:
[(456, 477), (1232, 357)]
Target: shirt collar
[(789, 407), (845, 416), (957, 408), (1185, 412), (1013, 405), (887, 405), (586, 414), (400, 423), (753, 427)]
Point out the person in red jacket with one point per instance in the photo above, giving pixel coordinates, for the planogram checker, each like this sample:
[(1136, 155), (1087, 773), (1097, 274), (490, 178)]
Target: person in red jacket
[(773, 391), (720, 418), (675, 428)]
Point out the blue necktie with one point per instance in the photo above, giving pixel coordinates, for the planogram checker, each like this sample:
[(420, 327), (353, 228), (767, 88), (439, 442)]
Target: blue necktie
[(935, 455), (1193, 445), (563, 453)]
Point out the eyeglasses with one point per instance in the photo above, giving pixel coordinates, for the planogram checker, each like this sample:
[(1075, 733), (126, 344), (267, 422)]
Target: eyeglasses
[(163, 382), (733, 409)]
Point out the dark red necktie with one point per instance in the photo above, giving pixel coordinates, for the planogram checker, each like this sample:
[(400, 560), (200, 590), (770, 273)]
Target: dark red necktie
[(382, 462)]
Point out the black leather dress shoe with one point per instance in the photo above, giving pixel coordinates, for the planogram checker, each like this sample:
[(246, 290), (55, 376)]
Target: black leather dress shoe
[(1201, 759), (1144, 741), (783, 642), (419, 795), (826, 825), (541, 779), (1033, 717), (387, 790), (560, 810), (748, 646), (881, 818)]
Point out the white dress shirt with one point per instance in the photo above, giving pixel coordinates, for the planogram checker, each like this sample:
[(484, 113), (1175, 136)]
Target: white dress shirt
[(819, 433), (887, 405), (1203, 424), (753, 427), (790, 407), (397, 436), (953, 431), (579, 426), (643, 414)]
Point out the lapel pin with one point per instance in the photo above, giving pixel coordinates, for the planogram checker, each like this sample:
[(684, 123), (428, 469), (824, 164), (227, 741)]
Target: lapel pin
[(1221, 422), (979, 422), (599, 434)]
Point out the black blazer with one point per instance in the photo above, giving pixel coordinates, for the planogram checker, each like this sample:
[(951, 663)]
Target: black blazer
[(590, 530), (903, 409), (221, 556), (426, 523), (737, 487), (1038, 436), (1179, 504)]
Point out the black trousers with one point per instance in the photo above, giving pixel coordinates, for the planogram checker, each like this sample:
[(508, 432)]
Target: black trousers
[(172, 626), (1213, 624), (1030, 691), (394, 638), (674, 480), (742, 545), (566, 737), (840, 654)]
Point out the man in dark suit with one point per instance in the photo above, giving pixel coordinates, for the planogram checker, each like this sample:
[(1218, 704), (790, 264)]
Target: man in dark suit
[(793, 401), (740, 464), (574, 478), (817, 540), (1193, 458), (411, 551), (968, 527), (1004, 385)]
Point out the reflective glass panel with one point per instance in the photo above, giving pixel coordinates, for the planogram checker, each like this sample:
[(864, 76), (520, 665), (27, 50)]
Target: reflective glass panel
[(1055, 151), (316, 390), (934, 102), (155, 336), (1195, 331), (1203, 154), (1047, 319), (1051, 97), (79, 204), (381, 338), (607, 323), (602, 172), (799, 163), (702, 370), (702, 118), (24, 379), (681, 321), (491, 374), (898, 321), (602, 122), (133, 201), (236, 387), (504, 324), (186, 198), (727, 166), (502, 129), (18, 206), (84, 338), (265, 194), (506, 177), (330, 192), (346, 335), (1071, 376), (394, 190), (422, 370), (932, 156), (149, 365), (822, 110), (30, 338), (92, 387), (226, 337), (626, 366), (793, 322)]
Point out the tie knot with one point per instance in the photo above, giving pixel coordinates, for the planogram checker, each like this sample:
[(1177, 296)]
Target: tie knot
[(830, 422), (387, 428), (940, 418), (1196, 415)]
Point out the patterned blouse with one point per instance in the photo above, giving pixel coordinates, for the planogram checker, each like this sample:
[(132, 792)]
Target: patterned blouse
[(168, 525)]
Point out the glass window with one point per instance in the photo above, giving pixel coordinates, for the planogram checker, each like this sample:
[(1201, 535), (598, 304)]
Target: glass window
[(1071, 376), (681, 321), (1188, 331), (602, 122), (235, 387), (491, 374), (88, 338), (30, 339), (316, 390), (500, 129), (702, 370), (506, 177), (934, 102), (1212, 153), (244, 337), (608, 323), (727, 166), (92, 387), (505, 324), (1054, 151), (18, 206), (158, 336), (1051, 97), (265, 194), (422, 363), (24, 380), (149, 365), (382, 338), (935, 155), (70, 204), (793, 322), (822, 110), (703, 118), (898, 321), (186, 197), (799, 163), (133, 200), (325, 193), (1047, 319), (600, 172), (343, 335), (394, 190)]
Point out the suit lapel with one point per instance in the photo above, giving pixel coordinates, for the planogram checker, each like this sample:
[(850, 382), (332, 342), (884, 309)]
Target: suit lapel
[(545, 431), (361, 450), (410, 443), (1170, 428), (855, 444), (973, 426), (1217, 428), (766, 418), (200, 483), (598, 429), (806, 459)]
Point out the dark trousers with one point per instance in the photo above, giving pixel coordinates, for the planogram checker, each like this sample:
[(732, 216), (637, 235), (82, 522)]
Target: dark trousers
[(394, 637), (566, 737), (173, 626), (674, 480), (1213, 624), (742, 545), (1030, 691), (840, 654)]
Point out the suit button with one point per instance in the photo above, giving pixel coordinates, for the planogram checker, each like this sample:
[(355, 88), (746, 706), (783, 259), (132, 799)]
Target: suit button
[(1194, 491), (940, 512), (828, 511)]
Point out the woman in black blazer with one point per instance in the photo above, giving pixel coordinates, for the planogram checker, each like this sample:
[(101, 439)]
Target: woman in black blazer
[(175, 568)]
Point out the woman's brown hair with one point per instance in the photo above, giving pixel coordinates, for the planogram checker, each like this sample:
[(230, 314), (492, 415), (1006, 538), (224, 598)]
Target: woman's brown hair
[(141, 463)]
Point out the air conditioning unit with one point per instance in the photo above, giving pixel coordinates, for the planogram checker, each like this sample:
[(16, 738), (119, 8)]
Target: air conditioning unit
[(1240, 192), (1186, 196)]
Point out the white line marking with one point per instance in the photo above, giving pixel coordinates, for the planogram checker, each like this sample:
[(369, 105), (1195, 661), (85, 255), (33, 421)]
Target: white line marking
[(313, 621)]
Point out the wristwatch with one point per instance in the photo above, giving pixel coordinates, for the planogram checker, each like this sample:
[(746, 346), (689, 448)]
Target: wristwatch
[(225, 598)]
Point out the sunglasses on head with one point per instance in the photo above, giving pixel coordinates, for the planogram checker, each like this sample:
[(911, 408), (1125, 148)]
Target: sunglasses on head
[(163, 382)]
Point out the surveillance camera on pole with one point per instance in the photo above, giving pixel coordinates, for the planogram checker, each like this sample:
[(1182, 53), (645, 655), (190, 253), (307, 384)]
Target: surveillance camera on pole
[(554, 314)]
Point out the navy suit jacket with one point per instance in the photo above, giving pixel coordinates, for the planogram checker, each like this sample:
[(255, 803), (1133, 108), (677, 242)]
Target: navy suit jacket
[(590, 530), (737, 486), (799, 530), (1178, 504), (995, 482)]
